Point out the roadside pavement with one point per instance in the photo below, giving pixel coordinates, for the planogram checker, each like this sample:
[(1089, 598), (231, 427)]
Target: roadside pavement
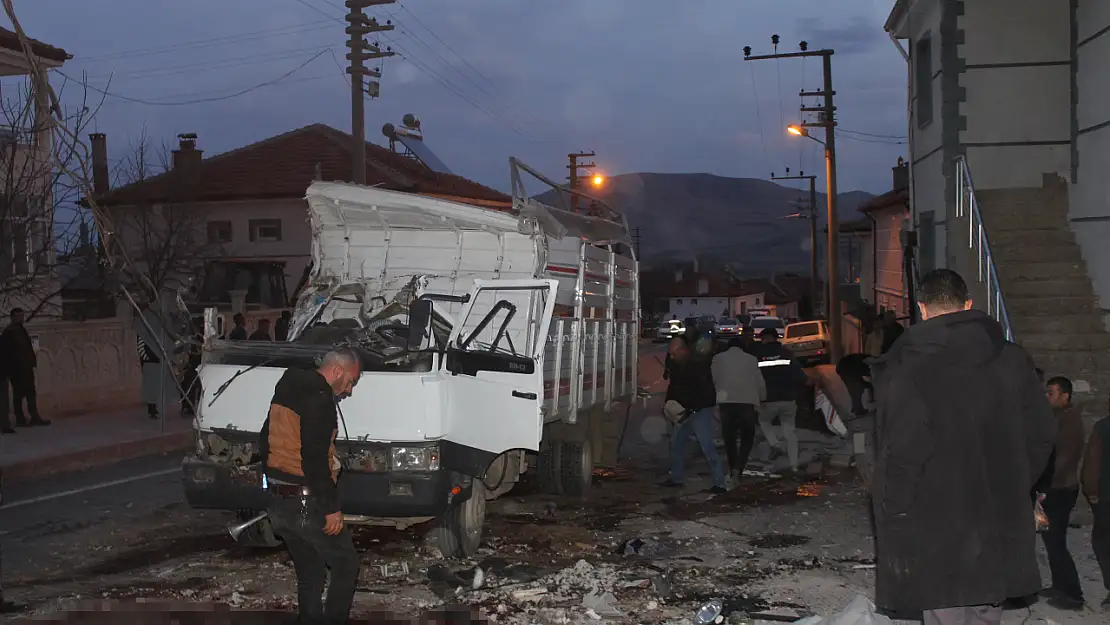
[(91, 440)]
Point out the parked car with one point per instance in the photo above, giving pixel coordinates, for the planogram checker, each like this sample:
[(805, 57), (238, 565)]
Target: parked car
[(759, 324), (808, 341), (669, 330), (728, 327)]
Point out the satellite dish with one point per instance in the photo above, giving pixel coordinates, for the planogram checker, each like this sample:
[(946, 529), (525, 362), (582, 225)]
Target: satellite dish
[(389, 131), (410, 121)]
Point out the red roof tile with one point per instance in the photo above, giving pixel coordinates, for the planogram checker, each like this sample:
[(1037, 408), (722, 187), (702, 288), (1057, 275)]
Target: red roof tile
[(10, 41), (284, 166)]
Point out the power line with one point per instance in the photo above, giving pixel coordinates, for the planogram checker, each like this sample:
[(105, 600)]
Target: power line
[(214, 41), (201, 100), (446, 45), (228, 63), (868, 134), (882, 141)]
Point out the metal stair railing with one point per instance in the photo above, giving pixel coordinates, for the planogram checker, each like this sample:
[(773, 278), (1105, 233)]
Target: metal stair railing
[(967, 207)]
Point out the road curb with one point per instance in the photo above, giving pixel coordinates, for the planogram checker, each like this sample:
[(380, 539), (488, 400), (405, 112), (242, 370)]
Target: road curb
[(96, 457)]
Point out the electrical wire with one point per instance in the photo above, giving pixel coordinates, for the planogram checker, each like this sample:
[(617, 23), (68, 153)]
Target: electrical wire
[(201, 100), (214, 41), (881, 141), (758, 115), (868, 134), (446, 45), (228, 63)]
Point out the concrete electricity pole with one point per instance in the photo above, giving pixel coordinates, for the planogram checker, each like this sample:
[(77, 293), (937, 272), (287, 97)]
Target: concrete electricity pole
[(574, 177), (358, 27), (812, 217), (827, 120)]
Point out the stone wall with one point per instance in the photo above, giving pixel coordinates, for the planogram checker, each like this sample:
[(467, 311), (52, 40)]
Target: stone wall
[(85, 366)]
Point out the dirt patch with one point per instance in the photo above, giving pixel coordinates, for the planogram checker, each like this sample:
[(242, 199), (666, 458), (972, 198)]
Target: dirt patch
[(778, 541)]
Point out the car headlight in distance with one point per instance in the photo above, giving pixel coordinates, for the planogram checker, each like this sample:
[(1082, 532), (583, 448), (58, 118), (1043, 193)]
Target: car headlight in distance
[(414, 458)]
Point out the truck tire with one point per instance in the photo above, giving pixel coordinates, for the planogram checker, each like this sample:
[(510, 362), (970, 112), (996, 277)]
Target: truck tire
[(576, 472), (458, 533), (259, 535), (547, 468)]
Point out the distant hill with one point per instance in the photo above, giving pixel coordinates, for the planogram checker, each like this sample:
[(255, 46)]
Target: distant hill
[(733, 220)]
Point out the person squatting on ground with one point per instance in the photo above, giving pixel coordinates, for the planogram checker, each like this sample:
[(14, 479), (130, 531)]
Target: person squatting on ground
[(302, 469), (690, 400), (1096, 488), (784, 379), (1065, 593), (963, 430), (740, 390)]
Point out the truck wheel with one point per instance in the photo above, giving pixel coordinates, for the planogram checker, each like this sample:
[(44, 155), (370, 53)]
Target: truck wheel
[(260, 534), (577, 467), (547, 468), (458, 533)]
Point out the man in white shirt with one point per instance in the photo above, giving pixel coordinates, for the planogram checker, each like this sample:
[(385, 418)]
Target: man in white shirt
[(740, 389)]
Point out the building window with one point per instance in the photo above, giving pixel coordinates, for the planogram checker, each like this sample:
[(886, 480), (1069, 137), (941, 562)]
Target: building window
[(265, 230), (678, 302), (219, 232), (24, 236), (923, 77), (693, 302)]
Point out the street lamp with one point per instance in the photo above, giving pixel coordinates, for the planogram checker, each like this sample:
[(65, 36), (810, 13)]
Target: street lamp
[(797, 130), (598, 180)]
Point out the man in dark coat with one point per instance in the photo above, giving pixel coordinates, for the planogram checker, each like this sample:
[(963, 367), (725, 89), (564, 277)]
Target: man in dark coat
[(19, 350), (963, 432)]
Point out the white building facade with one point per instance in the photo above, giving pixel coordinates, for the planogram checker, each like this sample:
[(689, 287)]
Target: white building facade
[(1009, 115)]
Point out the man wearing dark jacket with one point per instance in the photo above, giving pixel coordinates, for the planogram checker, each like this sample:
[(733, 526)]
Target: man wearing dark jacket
[(691, 388), (302, 469), (784, 379), (1096, 487), (963, 431), (1065, 593), (19, 351)]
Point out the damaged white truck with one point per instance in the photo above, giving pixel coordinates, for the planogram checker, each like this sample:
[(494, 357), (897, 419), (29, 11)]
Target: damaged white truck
[(488, 338)]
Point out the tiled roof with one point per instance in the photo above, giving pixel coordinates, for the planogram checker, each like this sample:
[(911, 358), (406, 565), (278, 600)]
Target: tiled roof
[(284, 166), (10, 41), (890, 198)]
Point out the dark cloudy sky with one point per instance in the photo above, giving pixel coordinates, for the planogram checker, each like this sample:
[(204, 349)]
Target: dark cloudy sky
[(651, 85)]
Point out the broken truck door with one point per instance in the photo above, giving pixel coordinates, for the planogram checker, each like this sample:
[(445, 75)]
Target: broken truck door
[(494, 364)]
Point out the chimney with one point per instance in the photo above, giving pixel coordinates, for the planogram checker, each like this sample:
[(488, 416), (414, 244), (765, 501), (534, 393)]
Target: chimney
[(186, 156), (703, 286), (100, 180), (678, 275), (901, 175)]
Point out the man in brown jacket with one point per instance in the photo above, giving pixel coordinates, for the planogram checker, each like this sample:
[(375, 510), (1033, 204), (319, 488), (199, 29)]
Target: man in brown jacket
[(302, 468), (1096, 487), (1065, 593)]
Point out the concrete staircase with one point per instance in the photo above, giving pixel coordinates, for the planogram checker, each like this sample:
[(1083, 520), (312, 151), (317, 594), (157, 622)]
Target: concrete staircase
[(1052, 306)]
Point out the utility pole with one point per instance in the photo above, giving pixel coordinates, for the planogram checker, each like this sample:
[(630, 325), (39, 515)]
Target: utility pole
[(636, 241), (826, 120), (812, 217), (358, 26), (575, 179)]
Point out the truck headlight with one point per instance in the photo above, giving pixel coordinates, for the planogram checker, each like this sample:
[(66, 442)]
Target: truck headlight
[(414, 458)]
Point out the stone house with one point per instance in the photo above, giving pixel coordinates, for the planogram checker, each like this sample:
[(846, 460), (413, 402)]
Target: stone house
[(1009, 127)]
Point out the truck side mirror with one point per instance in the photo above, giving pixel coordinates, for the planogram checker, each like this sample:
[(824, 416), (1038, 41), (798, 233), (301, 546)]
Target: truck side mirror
[(420, 321)]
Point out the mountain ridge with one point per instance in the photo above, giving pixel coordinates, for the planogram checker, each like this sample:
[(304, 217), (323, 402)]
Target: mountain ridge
[(744, 221)]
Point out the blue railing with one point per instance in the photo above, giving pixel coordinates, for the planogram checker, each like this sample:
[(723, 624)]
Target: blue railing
[(967, 208)]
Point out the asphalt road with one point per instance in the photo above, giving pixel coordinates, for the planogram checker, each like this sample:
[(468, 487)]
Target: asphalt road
[(55, 514)]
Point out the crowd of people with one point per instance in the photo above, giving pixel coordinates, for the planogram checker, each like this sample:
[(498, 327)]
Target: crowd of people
[(963, 442)]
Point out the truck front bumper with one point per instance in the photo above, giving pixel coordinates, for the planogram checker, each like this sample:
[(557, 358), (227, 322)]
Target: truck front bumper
[(214, 485)]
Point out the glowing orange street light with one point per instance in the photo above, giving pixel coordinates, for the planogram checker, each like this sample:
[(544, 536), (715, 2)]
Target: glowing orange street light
[(796, 130), (598, 180)]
